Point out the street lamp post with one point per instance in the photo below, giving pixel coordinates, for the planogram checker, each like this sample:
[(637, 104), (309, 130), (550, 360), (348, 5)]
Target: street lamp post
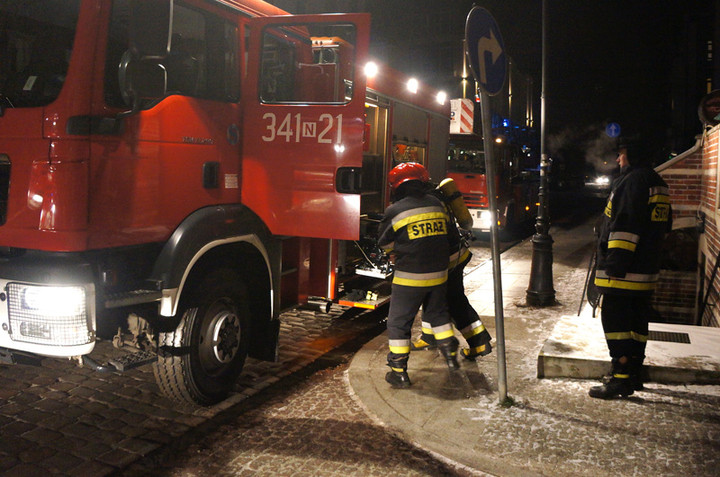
[(540, 290)]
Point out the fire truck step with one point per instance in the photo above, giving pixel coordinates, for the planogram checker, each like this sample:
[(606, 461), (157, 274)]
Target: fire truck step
[(366, 300), (132, 297), (133, 360)]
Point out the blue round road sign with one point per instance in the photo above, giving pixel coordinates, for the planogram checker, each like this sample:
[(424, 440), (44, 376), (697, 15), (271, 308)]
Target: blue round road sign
[(613, 129), (485, 50)]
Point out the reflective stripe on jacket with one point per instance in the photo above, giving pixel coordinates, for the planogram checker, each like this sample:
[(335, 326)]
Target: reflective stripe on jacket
[(637, 216), (415, 229)]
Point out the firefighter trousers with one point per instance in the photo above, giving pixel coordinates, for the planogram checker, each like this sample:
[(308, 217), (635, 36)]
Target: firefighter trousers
[(625, 321), (404, 305), (462, 313)]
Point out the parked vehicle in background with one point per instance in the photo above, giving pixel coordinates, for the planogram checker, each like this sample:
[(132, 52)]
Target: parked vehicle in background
[(517, 177), (597, 182)]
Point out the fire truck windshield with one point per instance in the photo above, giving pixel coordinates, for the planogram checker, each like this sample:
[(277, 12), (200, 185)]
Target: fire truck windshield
[(36, 39), (461, 159)]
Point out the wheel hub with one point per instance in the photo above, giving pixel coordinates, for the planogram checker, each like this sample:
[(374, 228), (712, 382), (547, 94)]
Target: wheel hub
[(226, 334)]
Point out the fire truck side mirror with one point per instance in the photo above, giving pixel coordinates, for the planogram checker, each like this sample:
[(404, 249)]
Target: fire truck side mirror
[(141, 80), (150, 28), (147, 79)]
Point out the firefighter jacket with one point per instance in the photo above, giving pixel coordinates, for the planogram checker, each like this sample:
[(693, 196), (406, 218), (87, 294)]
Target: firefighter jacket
[(415, 229), (459, 246), (636, 218)]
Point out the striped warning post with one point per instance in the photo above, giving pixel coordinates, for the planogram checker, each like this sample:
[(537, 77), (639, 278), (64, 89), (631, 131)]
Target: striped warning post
[(461, 116)]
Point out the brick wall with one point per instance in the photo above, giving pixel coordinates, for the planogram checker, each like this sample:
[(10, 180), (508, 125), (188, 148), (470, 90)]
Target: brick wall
[(693, 180), (674, 297)]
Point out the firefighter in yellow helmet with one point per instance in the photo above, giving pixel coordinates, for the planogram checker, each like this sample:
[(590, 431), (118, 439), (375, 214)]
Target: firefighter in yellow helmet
[(415, 230), (462, 313)]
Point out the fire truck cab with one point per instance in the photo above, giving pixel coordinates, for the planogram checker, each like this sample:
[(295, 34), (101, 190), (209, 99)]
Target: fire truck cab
[(198, 165)]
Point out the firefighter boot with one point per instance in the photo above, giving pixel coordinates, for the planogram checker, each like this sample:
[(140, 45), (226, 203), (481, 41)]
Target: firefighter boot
[(618, 385), (473, 352), (425, 341), (479, 345), (448, 347), (636, 372), (398, 376)]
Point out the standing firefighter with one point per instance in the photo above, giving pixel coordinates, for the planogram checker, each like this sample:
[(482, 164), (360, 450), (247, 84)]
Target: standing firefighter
[(636, 218), (415, 230), (462, 313)]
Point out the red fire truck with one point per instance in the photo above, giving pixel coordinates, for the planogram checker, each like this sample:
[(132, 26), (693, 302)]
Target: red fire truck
[(516, 184), (196, 165)]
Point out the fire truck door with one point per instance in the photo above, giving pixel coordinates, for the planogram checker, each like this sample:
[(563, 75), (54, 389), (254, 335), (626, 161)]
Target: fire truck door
[(303, 123)]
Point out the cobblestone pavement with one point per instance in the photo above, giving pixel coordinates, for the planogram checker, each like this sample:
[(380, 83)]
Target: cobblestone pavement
[(312, 427), (61, 419)]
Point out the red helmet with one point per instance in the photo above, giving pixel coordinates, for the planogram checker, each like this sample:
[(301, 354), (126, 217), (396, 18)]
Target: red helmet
[(407, 171)]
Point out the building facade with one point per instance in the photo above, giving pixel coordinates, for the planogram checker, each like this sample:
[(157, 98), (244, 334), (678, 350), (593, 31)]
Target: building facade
[(689, 288)]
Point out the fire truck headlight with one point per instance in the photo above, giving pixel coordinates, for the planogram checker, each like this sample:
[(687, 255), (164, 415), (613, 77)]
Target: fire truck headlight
[(485, 220), (49, 314), (50, 301)]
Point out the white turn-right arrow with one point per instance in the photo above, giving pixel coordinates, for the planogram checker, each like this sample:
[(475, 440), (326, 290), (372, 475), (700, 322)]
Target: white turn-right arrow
[(493, 46)]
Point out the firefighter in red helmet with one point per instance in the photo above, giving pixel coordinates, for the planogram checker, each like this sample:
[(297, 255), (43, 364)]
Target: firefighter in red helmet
[(407, 171), (415, 230)]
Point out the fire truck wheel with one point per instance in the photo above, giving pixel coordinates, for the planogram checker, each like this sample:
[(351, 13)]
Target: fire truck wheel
[(201, 359)]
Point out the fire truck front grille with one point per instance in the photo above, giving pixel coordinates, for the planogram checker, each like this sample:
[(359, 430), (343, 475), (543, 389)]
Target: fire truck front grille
[(475, 200), (4, 186)]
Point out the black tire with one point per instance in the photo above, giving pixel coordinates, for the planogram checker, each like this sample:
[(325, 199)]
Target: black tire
[(200, 361)]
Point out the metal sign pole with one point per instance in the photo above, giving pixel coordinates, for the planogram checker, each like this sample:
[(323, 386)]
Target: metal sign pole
[(495, 245), (485, 51)]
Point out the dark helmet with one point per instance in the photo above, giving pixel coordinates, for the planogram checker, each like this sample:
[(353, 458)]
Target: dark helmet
[(636, 152), (407, 171)]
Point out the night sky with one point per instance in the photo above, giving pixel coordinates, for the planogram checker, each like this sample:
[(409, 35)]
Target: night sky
[(610, 61)]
